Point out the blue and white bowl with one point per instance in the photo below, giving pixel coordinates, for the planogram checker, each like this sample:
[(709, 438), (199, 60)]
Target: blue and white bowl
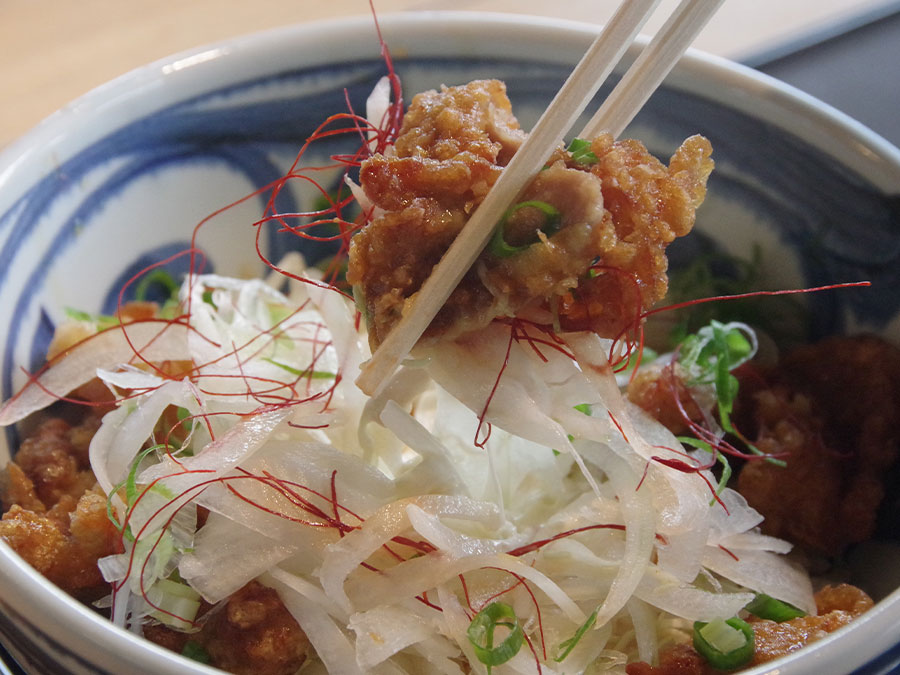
[(120, 177)]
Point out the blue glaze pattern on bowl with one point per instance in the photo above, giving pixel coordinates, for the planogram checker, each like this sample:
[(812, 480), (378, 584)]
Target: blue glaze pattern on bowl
[(51, 658), (131, 197)]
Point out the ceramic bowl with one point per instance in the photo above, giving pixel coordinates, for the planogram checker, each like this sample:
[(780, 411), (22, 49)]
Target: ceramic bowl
[(119, 177)]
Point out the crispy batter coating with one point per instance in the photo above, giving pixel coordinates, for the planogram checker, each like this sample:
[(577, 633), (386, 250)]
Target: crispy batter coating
[(55, 516), (458, 123), (55, 461), (679, 659), (65, 542), (649, 206), (617, 215), (834, 410), (661, 392), (256, 634), (450, 151), (17, 488), (252, 634), (836, 606)]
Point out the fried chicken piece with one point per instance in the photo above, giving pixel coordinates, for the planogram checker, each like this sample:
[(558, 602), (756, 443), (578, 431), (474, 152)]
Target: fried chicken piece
[(252, 634), (555, 264), (616, 215), (65, 542), (450, 151), (256, 634), (680, 659), (55, 460), (55, 515), (836, 607), (649, 205), (16, 488), (173, 640), (661, 391), (833, 410)]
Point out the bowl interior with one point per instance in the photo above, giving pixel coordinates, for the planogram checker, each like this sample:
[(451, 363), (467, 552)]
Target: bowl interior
[(121, 179)]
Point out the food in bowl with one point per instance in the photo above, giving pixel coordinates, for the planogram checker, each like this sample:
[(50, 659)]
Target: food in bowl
[(257, 320)]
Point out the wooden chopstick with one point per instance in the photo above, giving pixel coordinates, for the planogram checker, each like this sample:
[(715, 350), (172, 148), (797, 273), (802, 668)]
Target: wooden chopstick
[(651, 67), (571, 100)]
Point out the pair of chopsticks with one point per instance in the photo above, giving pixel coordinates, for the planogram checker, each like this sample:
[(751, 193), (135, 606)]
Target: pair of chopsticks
[(629, 95)]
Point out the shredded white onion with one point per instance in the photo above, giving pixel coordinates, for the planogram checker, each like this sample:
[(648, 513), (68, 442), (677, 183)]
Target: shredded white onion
[(154, 340), (368, 516)]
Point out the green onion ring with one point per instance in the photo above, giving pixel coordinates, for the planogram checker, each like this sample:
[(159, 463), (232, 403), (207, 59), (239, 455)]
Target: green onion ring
[(160, 277), (725, 660), (766, 607), (580, 149), (498, 245), (481, 634)]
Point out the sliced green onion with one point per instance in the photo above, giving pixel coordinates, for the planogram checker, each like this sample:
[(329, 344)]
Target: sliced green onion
[(170, 308), (552, 218), (130, 486), (208, 299), (359, 299), (726, 644), (567, 646), (312, 374), (195, 652), (279, 312), (78, 314), (158, 277), (766, 607), (131, 489), (178, 604), (709, 356), (715, 349), (637, 356), (481, 634), (183, 414), (580, 150), (177, 589), (132, 492), (720, 458), (102, 321), (584, 409), (153, 551)]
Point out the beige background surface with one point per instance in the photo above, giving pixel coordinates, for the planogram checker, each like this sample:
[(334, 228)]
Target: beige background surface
[(52, 51)]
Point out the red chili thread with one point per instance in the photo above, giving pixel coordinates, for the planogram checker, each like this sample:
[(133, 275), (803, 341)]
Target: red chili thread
[(618, 426), (481, 423), (536, 545), (729, 553), (465, 588), (754, 294)]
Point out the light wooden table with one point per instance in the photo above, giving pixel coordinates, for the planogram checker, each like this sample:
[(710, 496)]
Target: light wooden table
[(52, 51)]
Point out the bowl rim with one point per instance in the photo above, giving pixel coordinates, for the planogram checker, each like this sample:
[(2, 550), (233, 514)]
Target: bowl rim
[(27, 591), (210, 67), (857, 146)]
